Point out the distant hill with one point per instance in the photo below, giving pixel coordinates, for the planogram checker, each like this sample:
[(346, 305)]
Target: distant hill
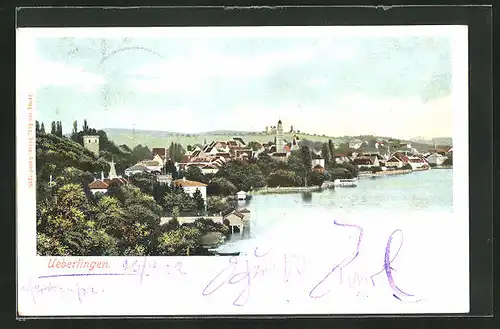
[(437, 140), (153, 138), (131, 138)]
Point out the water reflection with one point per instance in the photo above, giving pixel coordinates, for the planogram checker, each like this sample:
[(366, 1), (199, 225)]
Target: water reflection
[(307, 197), (278, 216)]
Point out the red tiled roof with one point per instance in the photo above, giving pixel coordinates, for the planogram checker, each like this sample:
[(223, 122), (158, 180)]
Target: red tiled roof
[(363, 161), (160, 151), (188, 183), (98, 185), (117, 180)]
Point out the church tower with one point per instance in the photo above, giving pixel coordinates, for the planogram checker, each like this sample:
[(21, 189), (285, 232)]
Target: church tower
[(280, 141), (295, 143), (91, 143), (112, 170)]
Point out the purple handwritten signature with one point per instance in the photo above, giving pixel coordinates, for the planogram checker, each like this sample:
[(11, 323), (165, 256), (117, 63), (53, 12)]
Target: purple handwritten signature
[(387, 269), (233, 274)]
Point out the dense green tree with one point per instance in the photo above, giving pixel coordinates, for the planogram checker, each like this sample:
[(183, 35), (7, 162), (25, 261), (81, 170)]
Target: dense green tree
[(283, 178), (74, 132), (85, 127), (221, 186), (194, 173), (144, 181), (69, 221), (140, 153), (198, 201), (316, 179), (176, 152), (59, 130), (244, 176), (37, 127), (42, 129), (178, 198), (217, 204), (171, 169), (255, 146), (266, 164), (180, 242), (326, 154), (53, 129), (306, 157)]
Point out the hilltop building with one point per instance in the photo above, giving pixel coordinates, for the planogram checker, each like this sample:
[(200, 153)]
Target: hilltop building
[(280, 141), (91, 143)]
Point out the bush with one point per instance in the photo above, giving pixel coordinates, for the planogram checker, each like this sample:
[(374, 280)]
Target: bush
[(376, 169), (448, 161)]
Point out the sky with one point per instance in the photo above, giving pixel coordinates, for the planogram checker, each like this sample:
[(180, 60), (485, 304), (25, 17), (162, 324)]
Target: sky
[(397, 86)]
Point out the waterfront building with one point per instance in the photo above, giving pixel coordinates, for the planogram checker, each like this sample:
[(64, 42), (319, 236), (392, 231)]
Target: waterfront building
[(241, 195)]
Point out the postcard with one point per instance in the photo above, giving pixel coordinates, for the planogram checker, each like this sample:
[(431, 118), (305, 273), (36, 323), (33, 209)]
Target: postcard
[(181, 171)]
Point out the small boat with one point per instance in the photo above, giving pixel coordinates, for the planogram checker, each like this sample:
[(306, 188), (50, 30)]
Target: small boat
[(345, 183), (228, 253)]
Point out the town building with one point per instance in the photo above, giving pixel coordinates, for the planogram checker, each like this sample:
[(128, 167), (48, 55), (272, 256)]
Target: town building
[(152, 166), (366, 161), (436, 158), (417, 162), (355, 144), (319, 168), (190, 187), (136, 169), (394, 162), (317, 160)]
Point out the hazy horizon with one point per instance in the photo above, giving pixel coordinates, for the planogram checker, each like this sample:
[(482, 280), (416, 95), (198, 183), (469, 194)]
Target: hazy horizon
[(397, 86)]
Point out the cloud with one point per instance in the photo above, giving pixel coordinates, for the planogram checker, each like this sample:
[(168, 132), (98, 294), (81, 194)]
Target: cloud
[(49, 73), (395, 117), (195, 71)]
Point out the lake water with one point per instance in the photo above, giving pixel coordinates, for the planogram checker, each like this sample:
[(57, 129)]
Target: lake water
[(303, 218)]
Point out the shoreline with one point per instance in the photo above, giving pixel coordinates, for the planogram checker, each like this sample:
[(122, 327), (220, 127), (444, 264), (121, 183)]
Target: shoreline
[(442, 167), (293, 189), (388, 172)]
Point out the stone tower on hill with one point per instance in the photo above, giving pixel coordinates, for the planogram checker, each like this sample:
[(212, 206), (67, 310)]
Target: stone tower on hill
[(91, 143)]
